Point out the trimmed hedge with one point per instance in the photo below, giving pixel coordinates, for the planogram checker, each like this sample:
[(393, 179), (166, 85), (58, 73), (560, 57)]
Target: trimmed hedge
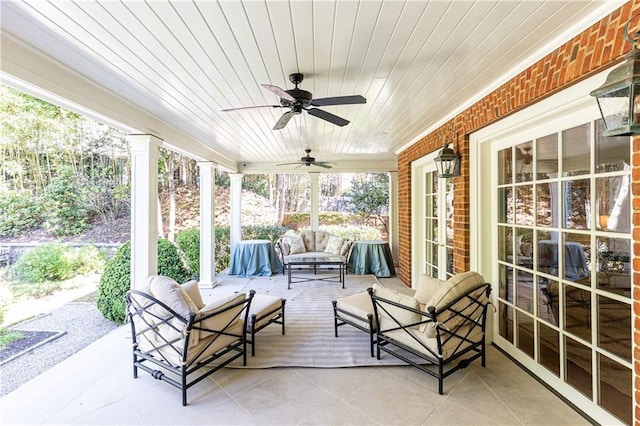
[(116, 279)]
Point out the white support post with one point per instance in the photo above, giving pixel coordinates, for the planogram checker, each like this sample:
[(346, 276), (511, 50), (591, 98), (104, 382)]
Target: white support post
[(235, 210), (207, 225), (144, 207), (314, 178), (393, 215)]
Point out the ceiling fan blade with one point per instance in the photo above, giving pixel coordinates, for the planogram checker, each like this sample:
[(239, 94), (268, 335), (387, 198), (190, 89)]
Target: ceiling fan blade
[(339, 100), (288, 164), (252, 107), (281, 93), (322, 164), (284, 119), (332, 118)]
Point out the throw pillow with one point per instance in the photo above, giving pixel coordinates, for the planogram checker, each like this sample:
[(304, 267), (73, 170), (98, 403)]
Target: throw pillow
[(192, 289), (334, 245), (295, 243)]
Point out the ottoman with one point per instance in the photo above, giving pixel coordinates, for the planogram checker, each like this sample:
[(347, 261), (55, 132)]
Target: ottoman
[(264, 310)]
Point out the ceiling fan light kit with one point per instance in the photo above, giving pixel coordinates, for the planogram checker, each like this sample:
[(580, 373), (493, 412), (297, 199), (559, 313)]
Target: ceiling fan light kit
[(309, 161), (297, 100)]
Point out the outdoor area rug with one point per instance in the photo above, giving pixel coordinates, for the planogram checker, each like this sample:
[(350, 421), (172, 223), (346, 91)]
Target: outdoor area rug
[(309, 340)]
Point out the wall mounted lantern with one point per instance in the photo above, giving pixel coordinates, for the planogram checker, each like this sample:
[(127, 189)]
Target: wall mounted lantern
[(619, 96), (447, 163)]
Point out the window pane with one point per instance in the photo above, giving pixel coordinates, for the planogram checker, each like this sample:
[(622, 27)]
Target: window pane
[(615, 383), (614, 327), (575, 150), (525, 333), (547, 204), (505, 205), (612, 153), (506, 283), (524, 162), (614, 265), (524, 291), (524, 205), (548, 252), (575, 208), (578, 366), (547, 156), (549, 343), (577, 311), (612, 200), (577, 258), (506, 322), (548, 300), (504, 166)]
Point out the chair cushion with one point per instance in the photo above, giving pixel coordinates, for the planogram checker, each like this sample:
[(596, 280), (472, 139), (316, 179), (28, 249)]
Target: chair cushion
[(171, 294), (261, 304), (401, 315), (453, 288), (192, 289), (346, 245), (309, 239), (427, 287), (334, 245), (321, 240), (219, 322), (358, 304)]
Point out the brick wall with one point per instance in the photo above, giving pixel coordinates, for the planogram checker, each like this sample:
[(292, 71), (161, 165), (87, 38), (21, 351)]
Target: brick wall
[(599, 47)]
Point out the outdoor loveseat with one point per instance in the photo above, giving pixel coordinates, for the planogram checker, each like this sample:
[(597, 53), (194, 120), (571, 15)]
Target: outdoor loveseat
[(307, 243)]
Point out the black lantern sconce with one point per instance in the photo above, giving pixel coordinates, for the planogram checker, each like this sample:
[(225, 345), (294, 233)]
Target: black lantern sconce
[(619, 96), (447, 162)]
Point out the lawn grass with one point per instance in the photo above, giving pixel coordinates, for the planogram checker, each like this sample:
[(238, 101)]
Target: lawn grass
[(7, 337)]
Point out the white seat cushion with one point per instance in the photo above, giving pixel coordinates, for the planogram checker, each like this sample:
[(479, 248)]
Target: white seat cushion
[(263, 303), (358, 304)]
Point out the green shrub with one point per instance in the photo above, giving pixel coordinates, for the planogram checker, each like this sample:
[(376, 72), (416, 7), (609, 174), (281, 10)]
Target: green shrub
[(353, 232), (272, 232), (65, 211), (19, 211), (44, 263), (189, 242), (116, 279), (86, 260)]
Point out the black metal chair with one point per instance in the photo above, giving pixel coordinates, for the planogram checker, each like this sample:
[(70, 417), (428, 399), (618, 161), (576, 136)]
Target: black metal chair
[(172, 347), (438, 341)]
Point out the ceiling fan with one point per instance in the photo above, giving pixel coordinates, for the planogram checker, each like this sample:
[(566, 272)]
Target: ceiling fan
[(308, 160), (297, 100)]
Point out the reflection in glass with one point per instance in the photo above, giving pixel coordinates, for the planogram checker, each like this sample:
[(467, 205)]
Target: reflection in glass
[(576, 208), (577, 311), (505, 205), (546, 204), (578, 366), (547, 157), (524, 162), (506, 283), (576, 150), (524, 205), (548, 300), (615, 382), (524, 290), (549, 344), (504, 166), (614, 265), (506, 322), (577, 258), (525, 333), (614, 327), (548, 252), (612, 153), (505, 247), (612, 200)]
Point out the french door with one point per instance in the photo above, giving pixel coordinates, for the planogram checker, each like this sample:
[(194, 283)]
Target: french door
[(434, 222)]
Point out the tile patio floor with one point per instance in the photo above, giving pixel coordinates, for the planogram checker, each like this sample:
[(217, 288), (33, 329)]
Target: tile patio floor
[(96, 386)]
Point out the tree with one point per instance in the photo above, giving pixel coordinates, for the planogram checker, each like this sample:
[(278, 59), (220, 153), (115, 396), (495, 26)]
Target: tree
[(370, 197)]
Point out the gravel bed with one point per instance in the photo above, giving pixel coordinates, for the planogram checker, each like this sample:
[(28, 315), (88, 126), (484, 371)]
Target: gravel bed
[(81, 323)]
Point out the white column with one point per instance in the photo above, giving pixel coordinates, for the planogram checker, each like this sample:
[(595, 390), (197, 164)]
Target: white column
[(314, 178), (207, 226), (235, 209), (393, 214), (144, 207)]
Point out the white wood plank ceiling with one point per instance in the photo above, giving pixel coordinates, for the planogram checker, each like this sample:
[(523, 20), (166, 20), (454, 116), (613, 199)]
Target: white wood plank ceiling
[(171, 67)]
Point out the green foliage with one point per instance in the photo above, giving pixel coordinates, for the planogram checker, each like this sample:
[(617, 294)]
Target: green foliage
[(19, 211), (270, 232), (353, 232), (8, 336), (369, 197), (223, 248), (86, 260), (222, 179), (189, 242), (116, 279), (65, 211), (44, 263), (258, 184), (333, 218)]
